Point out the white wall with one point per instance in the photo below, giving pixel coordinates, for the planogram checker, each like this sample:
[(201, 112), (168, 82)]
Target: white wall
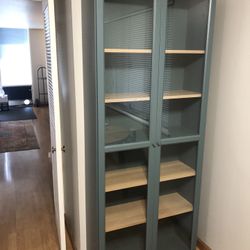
[(69, 45), (225, 201), (38, 56), (79, 135)]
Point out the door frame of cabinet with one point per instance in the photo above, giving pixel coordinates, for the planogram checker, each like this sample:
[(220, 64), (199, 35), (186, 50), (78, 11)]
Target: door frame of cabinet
[(199, 138), (151, 144), (155, 128), (99, 34)]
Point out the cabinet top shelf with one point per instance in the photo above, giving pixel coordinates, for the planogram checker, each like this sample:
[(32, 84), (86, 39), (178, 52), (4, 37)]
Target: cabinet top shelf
[(149, 51)]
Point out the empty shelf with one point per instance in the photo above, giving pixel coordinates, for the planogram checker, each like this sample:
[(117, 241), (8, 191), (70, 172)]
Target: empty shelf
[(126, 178), (149, 51), (175, 170), (129, 51), (126, 97), (137, 97), (180, 94), (137, 176), (125, 215), (172, 205), (188, 52), (134, 213)]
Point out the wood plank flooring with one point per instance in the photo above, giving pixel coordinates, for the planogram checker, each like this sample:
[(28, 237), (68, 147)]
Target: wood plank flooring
[(27, 220)]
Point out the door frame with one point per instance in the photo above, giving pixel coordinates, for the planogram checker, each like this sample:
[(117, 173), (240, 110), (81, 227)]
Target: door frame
[(59, 188)]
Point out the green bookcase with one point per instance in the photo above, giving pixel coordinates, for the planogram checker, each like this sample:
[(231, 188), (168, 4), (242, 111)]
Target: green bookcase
[(150, 95)]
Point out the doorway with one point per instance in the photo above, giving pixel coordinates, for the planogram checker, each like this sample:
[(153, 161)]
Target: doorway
[(27, 199)]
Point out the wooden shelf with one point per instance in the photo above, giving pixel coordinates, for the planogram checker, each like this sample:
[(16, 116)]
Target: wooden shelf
[(126, 178), (172, 205), (181, 94), (128, 51), (137, 176), (126, 97), (125, 215), (174, 170), (139, 97), (149, 51), (134, 213), (185, 52)]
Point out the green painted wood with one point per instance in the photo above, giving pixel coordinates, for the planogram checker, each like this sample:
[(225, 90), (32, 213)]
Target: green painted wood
[(154, 151), (126, 146), (181, 139), (207, 67), (162, 35), (182, 72), (154, 156), (99, 5)]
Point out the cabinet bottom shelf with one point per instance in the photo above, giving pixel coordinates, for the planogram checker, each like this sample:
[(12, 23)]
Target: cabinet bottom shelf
[(134, 213)]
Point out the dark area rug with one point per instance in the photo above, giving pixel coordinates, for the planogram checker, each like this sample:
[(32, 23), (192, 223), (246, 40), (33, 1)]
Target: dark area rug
[(17, 136), (17, 113)]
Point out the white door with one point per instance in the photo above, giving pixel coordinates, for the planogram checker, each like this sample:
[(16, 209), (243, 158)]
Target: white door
[(55, 125)]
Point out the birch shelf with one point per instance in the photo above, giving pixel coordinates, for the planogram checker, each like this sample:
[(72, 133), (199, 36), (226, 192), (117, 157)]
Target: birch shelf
[(185, 52), (137, 176), (140, 97), (128, 51), (149, 51), (134, 213)]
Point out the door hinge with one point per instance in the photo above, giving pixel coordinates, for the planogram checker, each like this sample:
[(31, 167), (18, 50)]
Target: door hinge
[(156, 145), (53, 150), (64, 148)]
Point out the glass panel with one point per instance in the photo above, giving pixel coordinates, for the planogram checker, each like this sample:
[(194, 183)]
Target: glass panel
[(128, 32), (175, 233), (179, 159), (180, 118), (187, 24), (184, 67), (176, 214), (182, 94), (133, 238), (126, 194), (178, 164)]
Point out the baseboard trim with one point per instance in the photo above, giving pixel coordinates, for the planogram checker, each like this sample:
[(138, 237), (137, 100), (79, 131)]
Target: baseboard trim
[(202, 245)]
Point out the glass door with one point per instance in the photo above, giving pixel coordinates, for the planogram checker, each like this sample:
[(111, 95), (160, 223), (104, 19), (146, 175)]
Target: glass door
[(128, 42), (182, 93), (126, 199), (128, 33), (186, 32)]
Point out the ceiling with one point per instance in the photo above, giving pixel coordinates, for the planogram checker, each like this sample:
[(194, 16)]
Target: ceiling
[(21, 14)]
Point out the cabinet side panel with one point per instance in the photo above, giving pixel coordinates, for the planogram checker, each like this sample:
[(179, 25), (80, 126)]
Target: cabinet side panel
[(90, 113), (212, 9)]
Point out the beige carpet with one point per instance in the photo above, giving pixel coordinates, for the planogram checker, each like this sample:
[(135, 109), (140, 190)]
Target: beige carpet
[(17, 136)]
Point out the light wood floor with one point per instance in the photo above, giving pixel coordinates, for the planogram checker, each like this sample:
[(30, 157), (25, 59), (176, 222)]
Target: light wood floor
[(27, 219)]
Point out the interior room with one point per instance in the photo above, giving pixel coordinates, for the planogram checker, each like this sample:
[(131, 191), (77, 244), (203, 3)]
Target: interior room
[(23, 61), (124, 124), (27, 213)]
